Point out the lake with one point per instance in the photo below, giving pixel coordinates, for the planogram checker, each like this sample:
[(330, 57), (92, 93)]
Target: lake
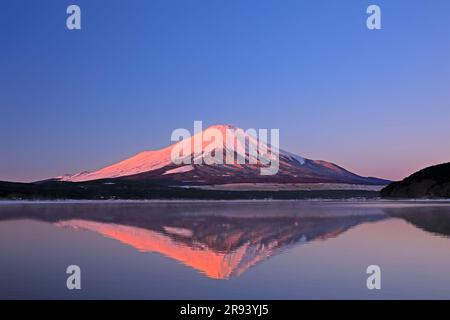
[(225, 250)]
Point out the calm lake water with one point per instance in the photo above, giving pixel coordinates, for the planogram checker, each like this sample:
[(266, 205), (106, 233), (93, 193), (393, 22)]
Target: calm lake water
[(225, 250)]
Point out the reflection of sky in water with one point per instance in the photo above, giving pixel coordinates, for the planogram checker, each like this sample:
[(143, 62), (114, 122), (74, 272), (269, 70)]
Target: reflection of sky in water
[(288, 250)]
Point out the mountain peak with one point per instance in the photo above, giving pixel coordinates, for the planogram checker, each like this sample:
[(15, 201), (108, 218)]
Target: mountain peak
[(223, 127)]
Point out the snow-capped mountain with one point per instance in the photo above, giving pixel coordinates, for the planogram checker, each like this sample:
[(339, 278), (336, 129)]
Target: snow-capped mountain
[(158, 165)]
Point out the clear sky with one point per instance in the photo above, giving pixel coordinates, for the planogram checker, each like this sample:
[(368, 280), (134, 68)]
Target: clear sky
[(375, 102)]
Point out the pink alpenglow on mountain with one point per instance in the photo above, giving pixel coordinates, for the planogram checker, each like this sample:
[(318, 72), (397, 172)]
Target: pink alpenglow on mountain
[(158, 166)]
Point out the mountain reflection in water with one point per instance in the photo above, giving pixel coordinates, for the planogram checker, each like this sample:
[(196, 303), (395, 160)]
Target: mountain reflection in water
[(221, 240)]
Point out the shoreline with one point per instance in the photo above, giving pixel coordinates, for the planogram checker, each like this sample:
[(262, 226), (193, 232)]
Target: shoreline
[(174, 201)]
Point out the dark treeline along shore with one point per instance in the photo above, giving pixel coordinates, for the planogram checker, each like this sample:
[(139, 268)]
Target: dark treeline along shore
[(145, 190), (430, 183)]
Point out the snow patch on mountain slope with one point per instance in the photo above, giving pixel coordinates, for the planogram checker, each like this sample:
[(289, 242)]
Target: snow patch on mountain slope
[(295, 157), (180, 170)]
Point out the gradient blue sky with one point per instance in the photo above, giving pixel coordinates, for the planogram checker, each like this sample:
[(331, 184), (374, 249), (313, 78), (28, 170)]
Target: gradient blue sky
[(375, 102)]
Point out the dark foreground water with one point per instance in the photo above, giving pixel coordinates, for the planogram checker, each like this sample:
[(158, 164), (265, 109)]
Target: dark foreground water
[(220, 250)]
